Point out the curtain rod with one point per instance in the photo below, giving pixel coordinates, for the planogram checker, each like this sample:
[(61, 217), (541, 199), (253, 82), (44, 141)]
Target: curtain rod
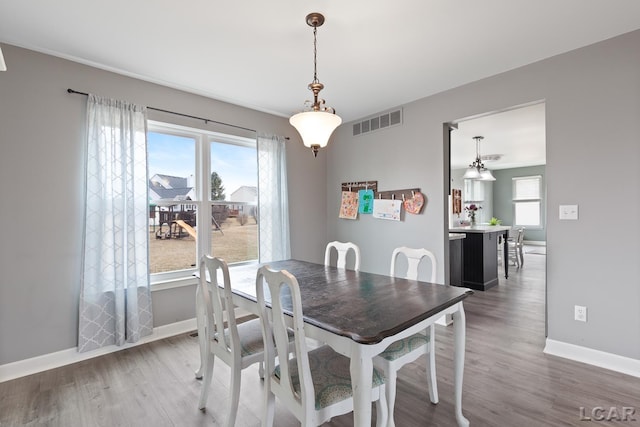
[(179, 114)]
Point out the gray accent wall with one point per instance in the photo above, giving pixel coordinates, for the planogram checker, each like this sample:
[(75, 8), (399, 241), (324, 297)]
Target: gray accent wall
[(503, 198), (592, 99), (41, 181)]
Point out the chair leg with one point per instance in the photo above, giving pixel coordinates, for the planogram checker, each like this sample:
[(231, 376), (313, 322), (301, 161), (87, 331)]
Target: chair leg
[(268, 407), (390, 391), (235, 394), (521, 257), (382, 416), (206, 383), (431, 369), (200, 318)]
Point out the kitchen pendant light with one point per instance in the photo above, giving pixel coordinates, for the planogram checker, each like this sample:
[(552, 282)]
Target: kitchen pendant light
[(315, 125), (476, 170)]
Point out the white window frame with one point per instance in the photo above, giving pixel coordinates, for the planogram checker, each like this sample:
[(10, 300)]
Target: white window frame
[(203, 139), (516, 200)]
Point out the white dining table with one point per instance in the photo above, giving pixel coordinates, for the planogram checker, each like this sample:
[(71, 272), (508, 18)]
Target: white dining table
[(360, 314)]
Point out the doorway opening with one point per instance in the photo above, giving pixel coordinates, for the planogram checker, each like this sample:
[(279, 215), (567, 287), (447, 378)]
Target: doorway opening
[(513, 149)]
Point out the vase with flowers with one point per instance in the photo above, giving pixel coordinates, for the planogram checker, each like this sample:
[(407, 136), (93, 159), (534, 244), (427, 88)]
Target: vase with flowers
[(471, 212)]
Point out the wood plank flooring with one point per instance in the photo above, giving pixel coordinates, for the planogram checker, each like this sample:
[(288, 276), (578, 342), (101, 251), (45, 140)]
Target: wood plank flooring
[(508, 381)]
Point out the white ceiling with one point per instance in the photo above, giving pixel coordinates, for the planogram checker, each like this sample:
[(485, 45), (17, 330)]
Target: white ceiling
[(372, 56), (517, 136)]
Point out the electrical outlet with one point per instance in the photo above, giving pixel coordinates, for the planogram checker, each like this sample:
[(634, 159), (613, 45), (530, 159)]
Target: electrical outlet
[(580, 313)]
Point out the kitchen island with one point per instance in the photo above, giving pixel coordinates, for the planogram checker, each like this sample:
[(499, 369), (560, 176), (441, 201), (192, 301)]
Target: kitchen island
[(480, 255), (456, 258)]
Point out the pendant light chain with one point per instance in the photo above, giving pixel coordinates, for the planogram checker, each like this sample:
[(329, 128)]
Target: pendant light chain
[(478, 163), (315, 55)]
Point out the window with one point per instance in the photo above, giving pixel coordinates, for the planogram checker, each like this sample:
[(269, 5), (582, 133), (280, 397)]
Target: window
[(474, 193), (527, 202), (202, 198)]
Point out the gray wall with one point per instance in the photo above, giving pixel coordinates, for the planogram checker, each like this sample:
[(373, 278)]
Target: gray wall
[(592, 118), (41, 182), (503, 198), (592, 125)]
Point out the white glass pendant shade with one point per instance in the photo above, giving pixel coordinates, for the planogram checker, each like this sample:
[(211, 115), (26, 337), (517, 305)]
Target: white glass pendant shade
[(315, 127), (486, 175), (472, 173)]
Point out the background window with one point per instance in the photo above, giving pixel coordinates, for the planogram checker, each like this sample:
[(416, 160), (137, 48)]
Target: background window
[(474, 193), (527, 201)]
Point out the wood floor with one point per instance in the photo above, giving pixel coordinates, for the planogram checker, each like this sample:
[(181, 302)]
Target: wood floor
[(508, 381)]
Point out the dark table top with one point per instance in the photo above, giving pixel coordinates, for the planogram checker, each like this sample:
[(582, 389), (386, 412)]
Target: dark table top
[(365, 307)]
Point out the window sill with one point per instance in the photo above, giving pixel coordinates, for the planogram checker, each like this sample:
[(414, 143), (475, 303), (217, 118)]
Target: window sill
[(189, 279), (180, 282)]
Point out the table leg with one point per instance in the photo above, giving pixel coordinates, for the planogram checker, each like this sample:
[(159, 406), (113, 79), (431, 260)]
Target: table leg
[(505, 258), (459, 336), (361, 372)]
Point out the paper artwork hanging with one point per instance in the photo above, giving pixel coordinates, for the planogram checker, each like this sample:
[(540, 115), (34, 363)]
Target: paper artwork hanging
[(387, 209), (349, 205), (415, 203), (365, 205)]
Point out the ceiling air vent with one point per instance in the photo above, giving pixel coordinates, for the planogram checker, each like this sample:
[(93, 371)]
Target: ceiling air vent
[(379, 122)]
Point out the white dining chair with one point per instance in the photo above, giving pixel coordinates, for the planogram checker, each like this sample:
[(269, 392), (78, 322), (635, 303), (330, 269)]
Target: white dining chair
[(314, 385), (237, 345), (515, 247), (342, 248), (409, 349)]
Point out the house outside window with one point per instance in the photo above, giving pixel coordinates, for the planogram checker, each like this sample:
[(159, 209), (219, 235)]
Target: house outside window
[(527, 201), (202, 199)]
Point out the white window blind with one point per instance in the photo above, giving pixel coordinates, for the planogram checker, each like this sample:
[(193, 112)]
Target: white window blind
[(526, 188), (527, 203)]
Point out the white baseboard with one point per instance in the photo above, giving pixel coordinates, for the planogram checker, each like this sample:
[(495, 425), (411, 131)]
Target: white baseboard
[(613, 362), (45, 362)]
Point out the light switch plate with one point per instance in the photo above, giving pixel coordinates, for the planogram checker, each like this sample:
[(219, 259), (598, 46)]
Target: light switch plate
[(569, 212)]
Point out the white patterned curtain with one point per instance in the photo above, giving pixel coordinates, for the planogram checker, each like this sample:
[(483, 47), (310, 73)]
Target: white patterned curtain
[(273, 204), (115, 296)]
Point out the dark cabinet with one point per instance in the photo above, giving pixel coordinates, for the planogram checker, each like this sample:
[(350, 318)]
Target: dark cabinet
[(480, 260), (455, 261)]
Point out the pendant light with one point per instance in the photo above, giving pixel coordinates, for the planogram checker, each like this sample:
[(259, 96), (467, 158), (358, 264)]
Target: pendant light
[(315, 125), (476, 170)]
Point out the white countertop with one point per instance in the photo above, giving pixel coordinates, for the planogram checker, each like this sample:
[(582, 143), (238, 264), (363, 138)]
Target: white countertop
[(480, 229), (455, 236)]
